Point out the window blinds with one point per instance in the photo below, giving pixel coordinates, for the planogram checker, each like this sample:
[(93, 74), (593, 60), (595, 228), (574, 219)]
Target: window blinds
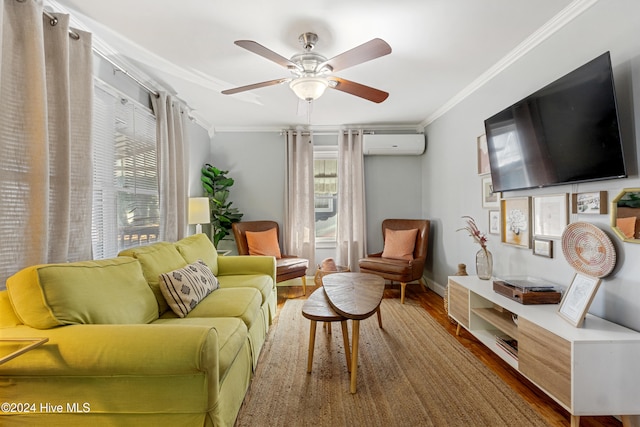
[(125, 196)]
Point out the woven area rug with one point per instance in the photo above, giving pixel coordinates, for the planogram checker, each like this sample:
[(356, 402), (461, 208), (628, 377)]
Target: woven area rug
[(410, 373)]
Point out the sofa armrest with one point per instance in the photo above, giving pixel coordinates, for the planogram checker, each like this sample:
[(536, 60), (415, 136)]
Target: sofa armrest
[(89, 350), (245, 264)]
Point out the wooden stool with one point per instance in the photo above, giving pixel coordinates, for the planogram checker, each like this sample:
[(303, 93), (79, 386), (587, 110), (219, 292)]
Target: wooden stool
[(317, 309)]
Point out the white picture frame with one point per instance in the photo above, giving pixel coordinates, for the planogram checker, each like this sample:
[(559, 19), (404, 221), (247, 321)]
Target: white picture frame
[(577, 298), (494, 222), (550, 215), (490, 199)]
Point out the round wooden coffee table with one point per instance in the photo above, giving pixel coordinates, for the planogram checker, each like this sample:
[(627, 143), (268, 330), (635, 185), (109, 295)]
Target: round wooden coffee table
[(355, 296)]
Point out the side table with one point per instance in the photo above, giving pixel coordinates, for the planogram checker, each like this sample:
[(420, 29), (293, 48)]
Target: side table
[(317, 309), (355, 296)]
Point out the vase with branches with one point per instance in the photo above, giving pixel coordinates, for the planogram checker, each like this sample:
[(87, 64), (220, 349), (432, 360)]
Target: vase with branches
[(484, 258), (216, 184)]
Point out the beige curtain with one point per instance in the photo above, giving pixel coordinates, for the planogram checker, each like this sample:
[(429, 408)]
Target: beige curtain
[(352, 225), (299, 222), (45, 139), (172, 166)]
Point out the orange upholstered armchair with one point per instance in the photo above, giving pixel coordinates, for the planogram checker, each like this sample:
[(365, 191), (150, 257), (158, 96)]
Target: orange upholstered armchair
[(262, 238), (404, 254)]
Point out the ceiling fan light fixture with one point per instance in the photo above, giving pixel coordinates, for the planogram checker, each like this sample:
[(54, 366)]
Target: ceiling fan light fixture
[(309, 88)]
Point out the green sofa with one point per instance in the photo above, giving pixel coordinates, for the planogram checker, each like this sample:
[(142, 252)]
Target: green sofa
[(118, 355)]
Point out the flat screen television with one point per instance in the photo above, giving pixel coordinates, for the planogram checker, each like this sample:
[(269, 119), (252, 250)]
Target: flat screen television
[(566, 132)]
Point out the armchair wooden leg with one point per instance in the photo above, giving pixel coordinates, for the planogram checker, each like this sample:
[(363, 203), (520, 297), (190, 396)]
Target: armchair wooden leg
[(403, 285), (304, 284)]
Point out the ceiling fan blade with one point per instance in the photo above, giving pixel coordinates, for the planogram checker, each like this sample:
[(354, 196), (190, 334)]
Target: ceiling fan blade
[(255, 86), (258, 49), (365, 52), (357, 89)]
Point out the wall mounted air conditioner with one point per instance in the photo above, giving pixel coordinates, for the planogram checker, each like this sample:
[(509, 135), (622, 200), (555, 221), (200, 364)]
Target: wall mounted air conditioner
[(393, 144)]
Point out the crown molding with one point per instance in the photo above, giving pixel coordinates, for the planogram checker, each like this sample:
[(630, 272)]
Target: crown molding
[(564, 17)]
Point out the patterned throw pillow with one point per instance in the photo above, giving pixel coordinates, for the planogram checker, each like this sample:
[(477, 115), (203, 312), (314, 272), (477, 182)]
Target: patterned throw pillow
[(186, 287)]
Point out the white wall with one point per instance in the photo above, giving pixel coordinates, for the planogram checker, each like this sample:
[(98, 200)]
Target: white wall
[(451, 186)]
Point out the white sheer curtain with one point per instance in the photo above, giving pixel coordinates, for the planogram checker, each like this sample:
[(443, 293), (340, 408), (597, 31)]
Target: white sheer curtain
[(352, 225), (172, 167), (45, 139), (299, 221)]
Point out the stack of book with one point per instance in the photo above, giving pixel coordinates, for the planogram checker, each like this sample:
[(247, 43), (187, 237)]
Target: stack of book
[(508, 344)]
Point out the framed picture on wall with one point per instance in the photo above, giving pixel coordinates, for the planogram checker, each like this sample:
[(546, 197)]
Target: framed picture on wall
[(589, 203), (543, 247), (550, 215), (489, 198), (494, 222), (515, 226), (483, 155)]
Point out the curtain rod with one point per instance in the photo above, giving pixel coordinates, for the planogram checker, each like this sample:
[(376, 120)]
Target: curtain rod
[(53, 21), (126, 73)]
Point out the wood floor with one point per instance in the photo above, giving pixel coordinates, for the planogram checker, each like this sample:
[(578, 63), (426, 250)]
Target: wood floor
[(434, 305)]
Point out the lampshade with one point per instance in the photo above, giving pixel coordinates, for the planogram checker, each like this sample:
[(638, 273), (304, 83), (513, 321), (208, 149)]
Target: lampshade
[(309, 88), (199, 212)]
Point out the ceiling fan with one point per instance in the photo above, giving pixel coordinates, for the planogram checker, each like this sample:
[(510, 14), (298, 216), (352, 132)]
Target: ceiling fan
[(311, 72)]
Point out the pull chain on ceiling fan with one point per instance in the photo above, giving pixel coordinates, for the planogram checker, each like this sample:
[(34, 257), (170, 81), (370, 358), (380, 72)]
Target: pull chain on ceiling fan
[(312, 71)]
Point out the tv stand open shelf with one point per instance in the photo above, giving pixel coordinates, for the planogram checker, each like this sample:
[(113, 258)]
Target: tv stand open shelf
[(591, 370)]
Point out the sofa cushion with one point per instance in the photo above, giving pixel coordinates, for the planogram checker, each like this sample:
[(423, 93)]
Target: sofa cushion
[(156, 259), (186, 287), (399, 244), (242, 303), (263, 243), (197, 247), (110, 291), (262, 282)]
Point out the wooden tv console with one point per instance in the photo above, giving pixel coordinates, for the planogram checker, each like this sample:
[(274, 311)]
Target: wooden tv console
[(592, 370)]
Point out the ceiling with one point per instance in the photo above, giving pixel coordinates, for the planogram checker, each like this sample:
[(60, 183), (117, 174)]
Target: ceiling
[(441, 51)]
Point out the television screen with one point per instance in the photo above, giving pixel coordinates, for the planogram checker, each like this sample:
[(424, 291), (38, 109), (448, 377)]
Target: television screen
[(566, 132)]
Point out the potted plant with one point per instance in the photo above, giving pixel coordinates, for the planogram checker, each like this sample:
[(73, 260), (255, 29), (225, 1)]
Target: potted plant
[(216, 184)]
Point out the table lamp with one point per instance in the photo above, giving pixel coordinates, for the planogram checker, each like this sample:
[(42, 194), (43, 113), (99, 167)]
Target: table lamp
[(199, 212)]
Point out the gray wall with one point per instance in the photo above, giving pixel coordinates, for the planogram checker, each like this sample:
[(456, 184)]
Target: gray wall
[(451, 186), (256, 160), (393, 189)]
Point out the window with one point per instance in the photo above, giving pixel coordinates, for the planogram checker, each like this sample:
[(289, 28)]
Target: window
[(325, 177), (125, 183)]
